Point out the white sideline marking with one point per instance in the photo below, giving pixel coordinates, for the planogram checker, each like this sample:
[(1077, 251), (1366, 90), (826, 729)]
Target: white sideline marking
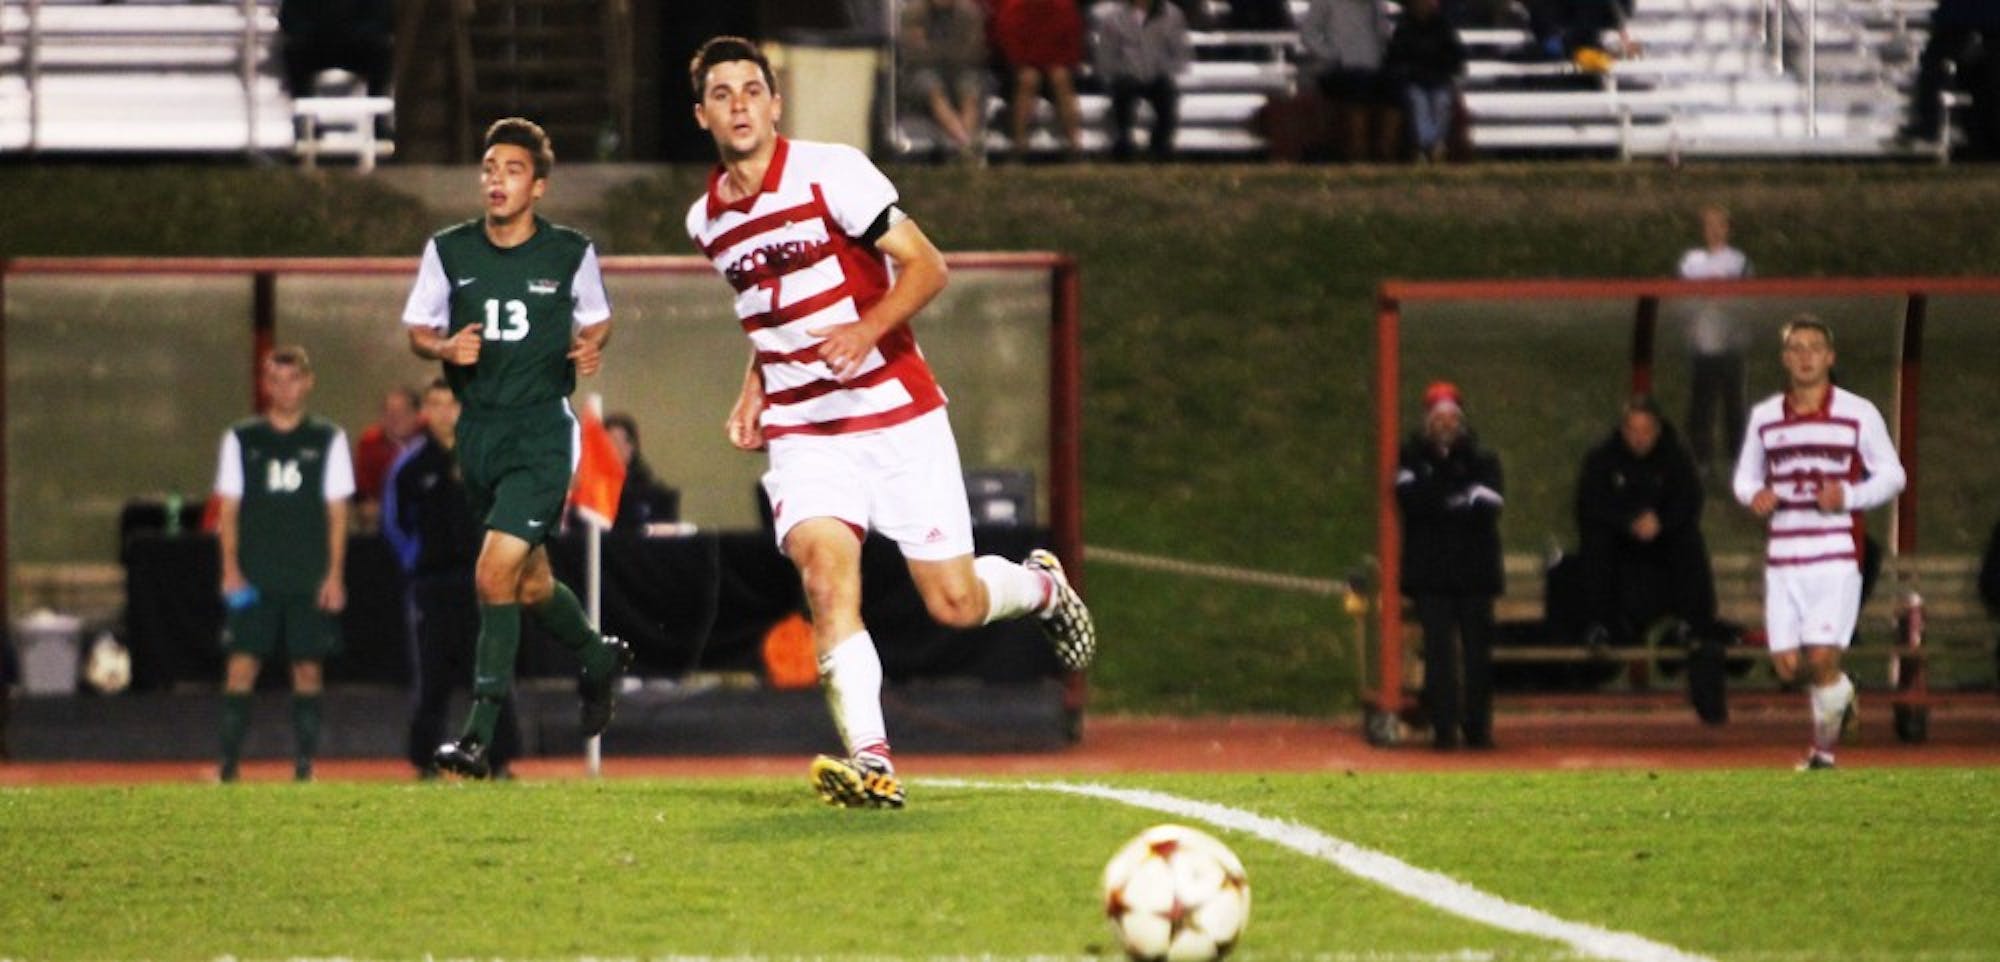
[(1432, 888)]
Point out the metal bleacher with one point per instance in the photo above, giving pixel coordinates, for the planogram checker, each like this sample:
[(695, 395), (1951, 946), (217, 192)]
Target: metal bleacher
[(1730, 78), (141, 77)]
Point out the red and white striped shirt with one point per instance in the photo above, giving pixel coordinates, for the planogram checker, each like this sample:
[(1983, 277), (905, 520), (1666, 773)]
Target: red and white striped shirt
[(1796, 454), (794, 254)]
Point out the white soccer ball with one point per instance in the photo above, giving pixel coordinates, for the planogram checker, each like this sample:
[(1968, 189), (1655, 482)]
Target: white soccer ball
[(109, 667), (1176, 894)]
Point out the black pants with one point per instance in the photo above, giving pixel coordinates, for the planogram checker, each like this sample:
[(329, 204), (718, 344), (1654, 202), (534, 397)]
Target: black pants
[(1458, 691), (1166, 101), (441, 658), (1715, 388)]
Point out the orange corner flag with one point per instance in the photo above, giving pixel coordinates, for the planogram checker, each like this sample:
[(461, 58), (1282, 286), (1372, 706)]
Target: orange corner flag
[(599, 474)]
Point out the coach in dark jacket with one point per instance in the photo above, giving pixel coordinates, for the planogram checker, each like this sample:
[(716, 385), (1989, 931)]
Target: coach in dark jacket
[(1449, 492), (426, 517), (1638, 513)]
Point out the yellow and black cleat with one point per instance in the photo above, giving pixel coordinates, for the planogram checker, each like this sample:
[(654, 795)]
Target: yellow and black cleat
[(849, 783)]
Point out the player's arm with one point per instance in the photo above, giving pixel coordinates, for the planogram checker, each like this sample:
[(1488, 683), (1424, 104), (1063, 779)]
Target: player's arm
[(590, 316), (336, 489), (427, 316), (920, 274), (1886, 476), (461, 348), (1751, 488), (228, 502), (745, 424), (586, 348)]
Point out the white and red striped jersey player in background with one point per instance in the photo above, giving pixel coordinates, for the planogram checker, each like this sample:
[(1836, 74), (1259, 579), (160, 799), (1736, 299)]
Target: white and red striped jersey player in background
[(827, 273), (1814, 457)]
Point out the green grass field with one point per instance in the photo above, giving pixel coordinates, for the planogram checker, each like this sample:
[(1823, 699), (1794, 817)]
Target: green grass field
[(1877, 864)]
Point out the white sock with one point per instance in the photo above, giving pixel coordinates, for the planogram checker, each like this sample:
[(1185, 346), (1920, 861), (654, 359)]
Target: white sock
[(1829, 703), (1012, 590), (851, 675)]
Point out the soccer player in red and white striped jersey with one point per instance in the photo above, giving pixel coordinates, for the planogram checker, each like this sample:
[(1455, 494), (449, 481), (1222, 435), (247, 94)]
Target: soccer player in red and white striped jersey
[(828, 273), (1814, 457)]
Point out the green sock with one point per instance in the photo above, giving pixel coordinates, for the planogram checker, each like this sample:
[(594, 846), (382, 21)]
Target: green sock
[(305, 731), (485, 715), (493, 667), (564, 618), (235, 721)]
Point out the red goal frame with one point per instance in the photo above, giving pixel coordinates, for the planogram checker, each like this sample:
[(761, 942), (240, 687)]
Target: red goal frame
[(1387, 695), (1065, 355)]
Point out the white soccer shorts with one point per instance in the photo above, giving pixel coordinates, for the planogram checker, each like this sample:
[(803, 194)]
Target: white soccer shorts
[(903, 481), (1815, 604)]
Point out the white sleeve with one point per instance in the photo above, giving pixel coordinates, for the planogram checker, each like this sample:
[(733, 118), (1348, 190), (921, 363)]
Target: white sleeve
[(593, 305), (1885, 467), (430, 298), (229, 468), (856, 190), (1750, 463), (339, 481)]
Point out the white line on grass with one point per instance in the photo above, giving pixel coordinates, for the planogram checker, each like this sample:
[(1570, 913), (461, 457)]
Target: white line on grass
[(1432, 888)]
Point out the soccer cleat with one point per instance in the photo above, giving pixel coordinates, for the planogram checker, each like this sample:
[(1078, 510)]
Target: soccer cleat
[(465, 758), (1850, 720), (856, 783), (601, 695), (1815, 760), (1068, 625)]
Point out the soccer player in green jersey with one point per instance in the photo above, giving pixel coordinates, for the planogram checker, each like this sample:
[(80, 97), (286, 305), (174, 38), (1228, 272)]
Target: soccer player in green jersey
[(514, 307), (282, 484)]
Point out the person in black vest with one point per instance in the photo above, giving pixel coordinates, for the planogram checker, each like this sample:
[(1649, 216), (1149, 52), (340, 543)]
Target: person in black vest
[(1638, 513), (426, 517), (1448, 490)]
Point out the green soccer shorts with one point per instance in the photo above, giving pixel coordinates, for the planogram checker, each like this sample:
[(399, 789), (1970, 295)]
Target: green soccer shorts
[(291, 626), (517, 468)]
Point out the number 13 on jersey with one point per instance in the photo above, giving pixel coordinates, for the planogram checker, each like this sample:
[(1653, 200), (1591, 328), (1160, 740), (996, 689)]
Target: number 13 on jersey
[(515, 326)]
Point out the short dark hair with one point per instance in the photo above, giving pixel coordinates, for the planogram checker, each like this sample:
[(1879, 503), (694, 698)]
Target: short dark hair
[(723, 50), (527, 135), (624, 422), (1806, 322), (290, 355), (437, 384)]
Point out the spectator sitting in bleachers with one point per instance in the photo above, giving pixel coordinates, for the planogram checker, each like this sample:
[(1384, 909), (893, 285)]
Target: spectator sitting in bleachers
[(1141, 46), (351, 35), (1344, 41), (1041, 42), (1424, 60), (943, 68)]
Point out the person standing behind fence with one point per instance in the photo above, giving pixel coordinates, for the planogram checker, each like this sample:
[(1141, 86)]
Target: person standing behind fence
[(426, 517), (1716, 343), (1449, 492), (1814, 457), (281, 483), (513, 307), (1424, 59), (1141, 46)]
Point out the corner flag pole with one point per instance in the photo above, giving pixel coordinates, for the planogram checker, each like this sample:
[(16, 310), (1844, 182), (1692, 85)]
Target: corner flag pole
[(593, 747)]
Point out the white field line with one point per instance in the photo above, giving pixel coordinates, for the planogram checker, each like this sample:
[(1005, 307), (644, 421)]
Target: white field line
[(1325, 587), (1432, 888)]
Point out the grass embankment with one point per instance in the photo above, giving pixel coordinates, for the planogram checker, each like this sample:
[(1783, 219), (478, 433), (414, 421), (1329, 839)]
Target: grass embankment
[(1227, 315)]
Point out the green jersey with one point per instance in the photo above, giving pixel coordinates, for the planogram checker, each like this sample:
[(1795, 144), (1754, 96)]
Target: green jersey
[(283, 481), (528, 299)]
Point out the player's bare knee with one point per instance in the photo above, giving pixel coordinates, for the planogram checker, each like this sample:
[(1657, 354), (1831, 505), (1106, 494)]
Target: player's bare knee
[(956, 606)]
